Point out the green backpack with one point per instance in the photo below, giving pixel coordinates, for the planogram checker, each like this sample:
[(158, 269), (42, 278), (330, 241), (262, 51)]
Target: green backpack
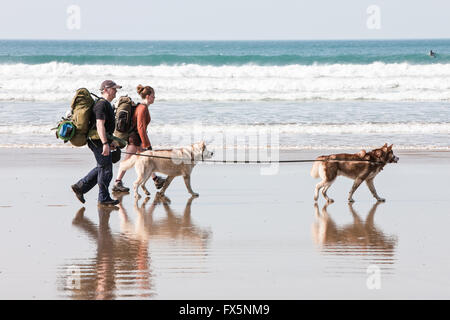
[(81, 106), (124, 116), (76, 127)]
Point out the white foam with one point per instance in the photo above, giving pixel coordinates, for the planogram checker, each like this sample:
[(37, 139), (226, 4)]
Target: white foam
[(44, 130), (314, 129), (244, 129), (212, 147), (36, 146), (377, 81)]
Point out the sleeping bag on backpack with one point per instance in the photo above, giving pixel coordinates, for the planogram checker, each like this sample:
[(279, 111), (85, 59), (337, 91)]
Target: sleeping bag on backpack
[(81, 107)]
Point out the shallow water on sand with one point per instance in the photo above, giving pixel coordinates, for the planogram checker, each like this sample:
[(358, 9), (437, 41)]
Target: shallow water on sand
[(247, 236)]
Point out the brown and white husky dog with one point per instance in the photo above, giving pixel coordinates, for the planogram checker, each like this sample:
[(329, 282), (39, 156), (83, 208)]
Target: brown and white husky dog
[(361, 166)]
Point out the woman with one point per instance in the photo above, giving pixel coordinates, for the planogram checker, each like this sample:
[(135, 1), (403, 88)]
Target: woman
[(138, 140)]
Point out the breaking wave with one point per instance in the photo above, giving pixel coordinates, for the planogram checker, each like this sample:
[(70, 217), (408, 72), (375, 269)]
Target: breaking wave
[(245, 129), (57, 81)]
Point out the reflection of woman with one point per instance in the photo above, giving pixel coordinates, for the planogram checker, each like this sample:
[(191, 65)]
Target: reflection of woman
[(138, 140)]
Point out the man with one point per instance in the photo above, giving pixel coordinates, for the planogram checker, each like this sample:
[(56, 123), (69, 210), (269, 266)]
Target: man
[(103, 117)]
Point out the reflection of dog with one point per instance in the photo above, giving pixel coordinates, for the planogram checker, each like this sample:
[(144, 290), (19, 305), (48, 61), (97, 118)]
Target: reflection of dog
[(357, 170), (172, 167), (355, 236), (172, 227)]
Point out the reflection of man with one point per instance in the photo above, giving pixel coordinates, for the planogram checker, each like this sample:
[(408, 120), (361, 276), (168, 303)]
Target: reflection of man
[(103, 284), (105, 257), (103, 117), (117, 257)]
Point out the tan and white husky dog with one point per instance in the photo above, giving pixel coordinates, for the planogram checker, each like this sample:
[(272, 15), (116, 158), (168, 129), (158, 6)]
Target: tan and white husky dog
[(170, 164)]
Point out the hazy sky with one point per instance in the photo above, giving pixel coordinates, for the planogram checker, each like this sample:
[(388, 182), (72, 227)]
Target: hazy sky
[(224, 19)]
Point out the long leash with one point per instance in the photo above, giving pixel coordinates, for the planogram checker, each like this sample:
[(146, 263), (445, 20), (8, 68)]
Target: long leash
[(247, 161)]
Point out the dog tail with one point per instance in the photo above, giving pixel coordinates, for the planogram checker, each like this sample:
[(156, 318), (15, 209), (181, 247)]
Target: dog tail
[(129, 163), (315, 168)]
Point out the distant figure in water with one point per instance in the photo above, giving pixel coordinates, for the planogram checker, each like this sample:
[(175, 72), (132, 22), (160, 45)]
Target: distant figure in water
[(432, 54)]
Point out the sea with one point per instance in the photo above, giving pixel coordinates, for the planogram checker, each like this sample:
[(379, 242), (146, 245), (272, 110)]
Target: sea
[(303, 94)]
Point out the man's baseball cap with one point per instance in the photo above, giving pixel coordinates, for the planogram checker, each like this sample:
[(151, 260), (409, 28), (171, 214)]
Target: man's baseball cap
[(109, 84)]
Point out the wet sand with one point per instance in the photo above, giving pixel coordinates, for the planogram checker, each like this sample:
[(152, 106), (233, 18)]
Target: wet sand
[(248, 236)]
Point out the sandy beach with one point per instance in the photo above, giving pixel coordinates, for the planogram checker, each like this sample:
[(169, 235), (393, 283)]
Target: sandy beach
[(248, 236)]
